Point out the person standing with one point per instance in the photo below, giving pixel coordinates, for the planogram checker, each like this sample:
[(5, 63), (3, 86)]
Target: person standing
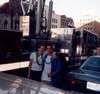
[(36, 64), (51, 70)]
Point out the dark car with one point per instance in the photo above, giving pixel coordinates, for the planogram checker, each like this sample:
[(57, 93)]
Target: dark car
[(87, 77)]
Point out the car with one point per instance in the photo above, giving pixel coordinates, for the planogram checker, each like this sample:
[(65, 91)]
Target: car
[(87, 77)]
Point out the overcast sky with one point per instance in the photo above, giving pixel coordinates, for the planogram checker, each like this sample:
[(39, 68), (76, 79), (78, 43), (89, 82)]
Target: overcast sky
[(74, 8)]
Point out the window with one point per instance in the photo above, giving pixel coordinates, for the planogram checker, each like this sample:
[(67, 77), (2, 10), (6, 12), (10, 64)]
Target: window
[(55, 20), (92, 64)]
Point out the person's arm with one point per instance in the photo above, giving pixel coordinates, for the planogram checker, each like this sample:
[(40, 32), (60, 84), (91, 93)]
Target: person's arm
[(32, 57), (29, 68), (30, 65)]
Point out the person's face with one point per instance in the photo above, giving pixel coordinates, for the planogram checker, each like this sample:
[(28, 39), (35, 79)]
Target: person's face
[(41, 49), (49, 50)]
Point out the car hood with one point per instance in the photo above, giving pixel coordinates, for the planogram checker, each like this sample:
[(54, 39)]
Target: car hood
[(85, 75)]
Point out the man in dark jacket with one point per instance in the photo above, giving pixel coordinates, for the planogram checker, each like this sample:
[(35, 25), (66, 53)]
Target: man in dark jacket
[(51, 70), (55, 72)]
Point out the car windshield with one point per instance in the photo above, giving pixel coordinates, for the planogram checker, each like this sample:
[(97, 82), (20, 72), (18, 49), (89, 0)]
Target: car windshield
[(92, 64)]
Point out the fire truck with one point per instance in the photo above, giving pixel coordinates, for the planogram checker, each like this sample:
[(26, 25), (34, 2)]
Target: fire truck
[(10, 45), (74, 45), (15, 46), (70, 42)]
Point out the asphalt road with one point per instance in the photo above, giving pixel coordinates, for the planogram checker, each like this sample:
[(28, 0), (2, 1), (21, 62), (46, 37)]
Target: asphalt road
[(11, 84)]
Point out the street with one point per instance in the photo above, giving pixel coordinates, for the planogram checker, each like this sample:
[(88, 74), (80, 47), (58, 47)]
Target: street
[(17, 85)]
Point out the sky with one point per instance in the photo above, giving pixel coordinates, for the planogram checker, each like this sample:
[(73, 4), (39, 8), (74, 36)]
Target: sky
[(74, 8)]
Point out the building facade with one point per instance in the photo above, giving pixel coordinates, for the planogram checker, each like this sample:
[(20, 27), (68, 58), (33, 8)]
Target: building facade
[(82, 20), (10, 14), (89, 23), (85, 19), (55, 20), (15, 10), (59, 21), (55, 23), (6, 24), (15, 7), (63, 21), (93, 27)]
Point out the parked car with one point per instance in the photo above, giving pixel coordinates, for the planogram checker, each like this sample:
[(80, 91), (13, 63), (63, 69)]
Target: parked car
[(87, 77)]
